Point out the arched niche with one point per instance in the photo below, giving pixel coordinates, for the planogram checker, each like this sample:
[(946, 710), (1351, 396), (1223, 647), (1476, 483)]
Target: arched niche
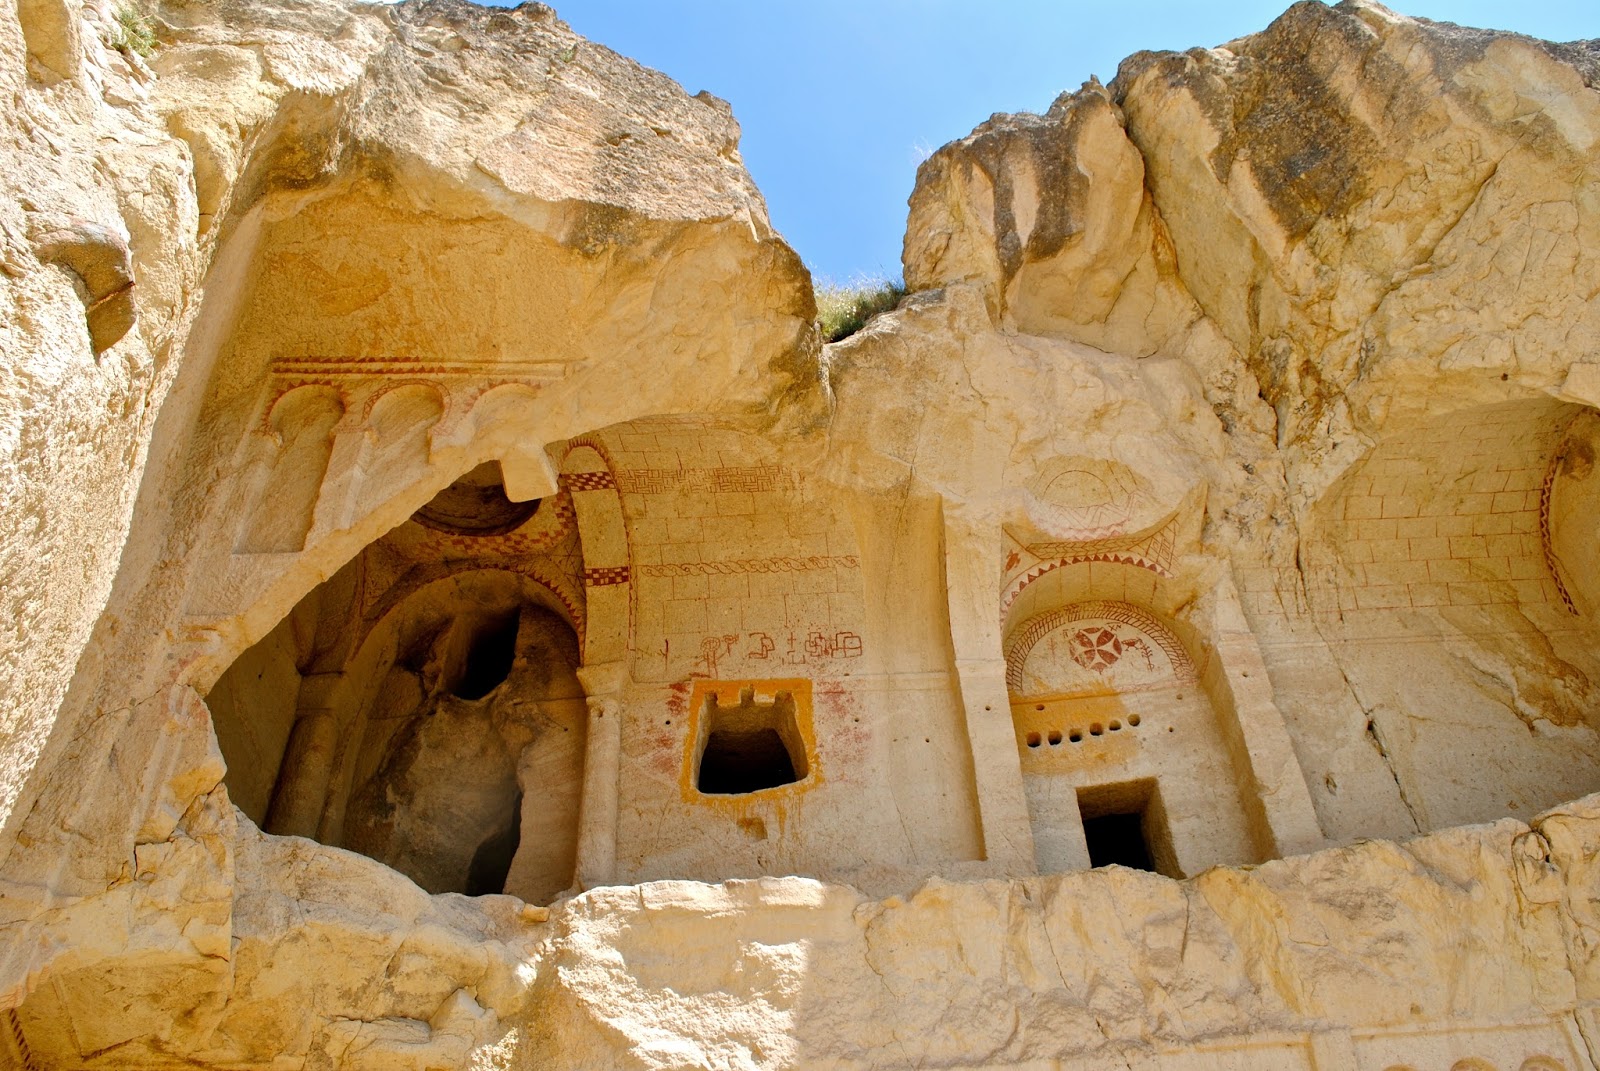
[(291, 459), (422, 705), (465, 757), (1123, 754), (1452, 573), (1457, 510), (399, 425)]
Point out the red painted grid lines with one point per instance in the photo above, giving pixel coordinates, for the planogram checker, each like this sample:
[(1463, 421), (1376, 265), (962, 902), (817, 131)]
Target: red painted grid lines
[(1426, 526), (727, 478)]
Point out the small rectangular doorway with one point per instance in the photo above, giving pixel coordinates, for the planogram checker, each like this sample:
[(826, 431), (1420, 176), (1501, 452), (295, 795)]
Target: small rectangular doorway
[(1125, 824)]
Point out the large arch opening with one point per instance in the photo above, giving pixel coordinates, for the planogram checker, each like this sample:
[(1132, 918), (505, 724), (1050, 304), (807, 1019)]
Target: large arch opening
[(422, 705), (1451, 571)]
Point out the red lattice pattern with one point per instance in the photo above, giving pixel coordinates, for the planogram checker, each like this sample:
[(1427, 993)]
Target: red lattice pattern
[(606, 576), (588, 481)]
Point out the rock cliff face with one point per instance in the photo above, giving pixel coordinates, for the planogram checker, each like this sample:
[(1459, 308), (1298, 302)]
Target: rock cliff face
[(1362, 233), (421, 473)]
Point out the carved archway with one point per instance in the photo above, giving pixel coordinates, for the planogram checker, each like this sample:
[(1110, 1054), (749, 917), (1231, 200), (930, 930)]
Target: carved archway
[(589, 478)]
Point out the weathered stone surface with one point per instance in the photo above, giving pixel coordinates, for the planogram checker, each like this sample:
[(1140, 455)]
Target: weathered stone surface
[(1322, 217), (98, 256), (420, 466)]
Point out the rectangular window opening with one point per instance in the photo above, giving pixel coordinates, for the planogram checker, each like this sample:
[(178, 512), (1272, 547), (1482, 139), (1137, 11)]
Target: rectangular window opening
[(749, 746)]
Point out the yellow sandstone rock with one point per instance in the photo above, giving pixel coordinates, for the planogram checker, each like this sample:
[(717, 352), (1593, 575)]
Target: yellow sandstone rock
[(460, 615)]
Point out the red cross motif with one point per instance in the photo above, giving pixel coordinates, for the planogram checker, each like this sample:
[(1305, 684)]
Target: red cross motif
[(1096, 648)]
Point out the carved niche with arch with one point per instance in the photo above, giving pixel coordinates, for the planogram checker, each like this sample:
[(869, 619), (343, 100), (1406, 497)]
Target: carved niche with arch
[(422, 705), (1123, 759)]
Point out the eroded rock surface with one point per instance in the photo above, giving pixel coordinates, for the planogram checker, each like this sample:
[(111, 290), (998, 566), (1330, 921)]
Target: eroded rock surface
[(422, 473)]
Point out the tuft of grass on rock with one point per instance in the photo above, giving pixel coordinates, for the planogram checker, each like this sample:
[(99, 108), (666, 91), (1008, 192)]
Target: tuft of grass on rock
[(842, 310), (133, 32)]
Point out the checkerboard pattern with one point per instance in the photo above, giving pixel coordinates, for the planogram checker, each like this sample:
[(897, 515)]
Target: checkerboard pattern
[(605, 576), (588, 481)]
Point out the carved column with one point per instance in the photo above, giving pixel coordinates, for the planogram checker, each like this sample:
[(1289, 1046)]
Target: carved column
[(341, 482), (972, 582), (1275, 795), (602, 758), (301, 793)]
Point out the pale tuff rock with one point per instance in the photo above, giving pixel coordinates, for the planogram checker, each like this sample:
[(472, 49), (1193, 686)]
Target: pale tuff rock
[(1347, 215), (1475, 936), (99, 257), (461, 617)]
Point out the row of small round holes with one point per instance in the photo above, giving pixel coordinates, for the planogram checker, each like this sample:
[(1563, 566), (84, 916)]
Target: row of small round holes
[(1076, 735)]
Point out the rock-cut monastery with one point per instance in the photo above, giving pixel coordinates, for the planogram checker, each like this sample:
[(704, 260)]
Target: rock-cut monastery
[(456, 614)]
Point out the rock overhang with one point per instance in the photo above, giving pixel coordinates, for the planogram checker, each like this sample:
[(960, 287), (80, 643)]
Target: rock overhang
[(1080, 429)]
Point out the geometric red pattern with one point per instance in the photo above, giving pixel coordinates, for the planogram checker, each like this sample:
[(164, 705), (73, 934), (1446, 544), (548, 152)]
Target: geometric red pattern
[(1545, 487), (1042, 568), (587, 481), (605, 576), (1096, 648), (1093, 652), (1154, 552), (1155, 548)]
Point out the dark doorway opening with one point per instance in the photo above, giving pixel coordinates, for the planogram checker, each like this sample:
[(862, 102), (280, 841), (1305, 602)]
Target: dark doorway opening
[(1117, 840), (492, 861), (489, 659), (1125, 824), (737, 762), (749, 745)]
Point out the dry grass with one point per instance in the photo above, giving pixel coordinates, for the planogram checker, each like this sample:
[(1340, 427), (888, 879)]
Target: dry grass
[(842, 310), (133, 32)]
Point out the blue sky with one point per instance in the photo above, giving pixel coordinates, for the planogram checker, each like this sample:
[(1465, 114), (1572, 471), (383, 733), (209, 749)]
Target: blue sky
[(840, 99)]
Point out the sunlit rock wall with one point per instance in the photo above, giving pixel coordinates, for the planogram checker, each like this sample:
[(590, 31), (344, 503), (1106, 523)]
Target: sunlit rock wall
[(463, 617), (1368, 238)]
